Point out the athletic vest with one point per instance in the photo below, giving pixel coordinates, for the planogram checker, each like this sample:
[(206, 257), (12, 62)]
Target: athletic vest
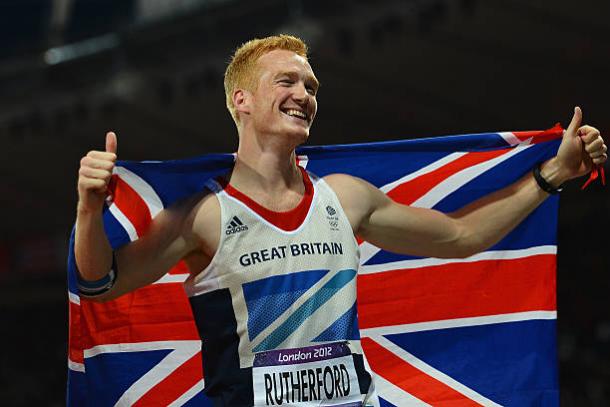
[(276, 306)]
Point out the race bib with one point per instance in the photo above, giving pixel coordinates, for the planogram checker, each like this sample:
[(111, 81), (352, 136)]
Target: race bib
[(320, 375)]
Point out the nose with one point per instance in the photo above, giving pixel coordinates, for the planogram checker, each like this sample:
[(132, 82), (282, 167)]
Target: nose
[(300, 93)]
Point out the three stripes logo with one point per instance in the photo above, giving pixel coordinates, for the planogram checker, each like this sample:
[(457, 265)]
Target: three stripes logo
[(235, 226)]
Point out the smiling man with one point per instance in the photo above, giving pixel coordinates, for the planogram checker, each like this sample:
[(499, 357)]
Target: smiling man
[(271, 247)]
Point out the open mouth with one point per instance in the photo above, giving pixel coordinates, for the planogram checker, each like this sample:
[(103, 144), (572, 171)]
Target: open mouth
[(296, 113)]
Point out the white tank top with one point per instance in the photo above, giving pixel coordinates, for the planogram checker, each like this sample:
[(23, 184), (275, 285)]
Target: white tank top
[(284, 283)]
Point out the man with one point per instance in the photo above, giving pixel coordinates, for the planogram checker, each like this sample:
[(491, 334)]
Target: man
[(271, 248)]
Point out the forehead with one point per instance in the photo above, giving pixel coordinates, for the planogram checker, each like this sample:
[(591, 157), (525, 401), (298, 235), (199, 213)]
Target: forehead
[(280, 60)]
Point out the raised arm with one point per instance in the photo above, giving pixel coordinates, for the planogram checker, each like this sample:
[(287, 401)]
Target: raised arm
[(475, 227), (170, 237), (91, 247)]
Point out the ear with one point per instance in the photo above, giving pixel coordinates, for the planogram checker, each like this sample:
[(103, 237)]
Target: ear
[(242, 100)]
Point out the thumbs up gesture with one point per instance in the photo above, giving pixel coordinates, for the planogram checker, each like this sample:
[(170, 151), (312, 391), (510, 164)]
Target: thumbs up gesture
[(94, 176), (580, 149)]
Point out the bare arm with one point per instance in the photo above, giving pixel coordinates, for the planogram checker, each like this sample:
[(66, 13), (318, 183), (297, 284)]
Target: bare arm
[(171, 236), (91, 248), (475, 227)]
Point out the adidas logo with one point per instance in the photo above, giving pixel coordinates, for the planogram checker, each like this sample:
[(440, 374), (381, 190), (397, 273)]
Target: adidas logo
[(235, 226)]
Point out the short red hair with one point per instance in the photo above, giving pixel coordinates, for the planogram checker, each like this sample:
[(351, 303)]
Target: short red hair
[(241, 72)]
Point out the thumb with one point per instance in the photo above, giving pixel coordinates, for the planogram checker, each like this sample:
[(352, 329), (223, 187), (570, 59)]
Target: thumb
[(111, 142), (575, 123)]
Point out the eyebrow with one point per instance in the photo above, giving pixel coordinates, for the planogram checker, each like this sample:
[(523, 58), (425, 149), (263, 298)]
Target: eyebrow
[(308, 79)]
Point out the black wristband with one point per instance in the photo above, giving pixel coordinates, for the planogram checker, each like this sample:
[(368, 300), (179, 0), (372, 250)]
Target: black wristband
[(98, 287), (543, 184)]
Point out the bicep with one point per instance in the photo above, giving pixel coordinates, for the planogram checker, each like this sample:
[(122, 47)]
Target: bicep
[(408, 230), (395, 227)]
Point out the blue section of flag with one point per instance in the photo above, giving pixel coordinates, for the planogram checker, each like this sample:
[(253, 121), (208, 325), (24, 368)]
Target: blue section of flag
[(385, 403), (72, 282), (129, 366), (199, 400), (268, 298), (77, 392), (116, 234), (460, 142), (176, 179), (345, 327), (524, 352), (393, 166)]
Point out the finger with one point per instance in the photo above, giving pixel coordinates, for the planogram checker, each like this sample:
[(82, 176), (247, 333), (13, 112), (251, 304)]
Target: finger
[(575, 123), (102, 155), (595, 145), (97, 163), (588, 133), (111, 142), (600, 160), (599, 152), (89, 172)]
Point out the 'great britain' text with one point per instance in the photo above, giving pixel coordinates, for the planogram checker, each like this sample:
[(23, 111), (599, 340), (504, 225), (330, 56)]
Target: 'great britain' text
[(294, 250)]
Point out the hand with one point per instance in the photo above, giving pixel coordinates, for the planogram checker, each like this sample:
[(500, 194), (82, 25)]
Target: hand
[(581, 148), (94, 176)]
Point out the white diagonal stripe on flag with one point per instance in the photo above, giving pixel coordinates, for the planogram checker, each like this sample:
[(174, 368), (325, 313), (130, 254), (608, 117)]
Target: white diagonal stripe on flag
[(142, 188), (454, 182), (124, 221), (513, 140), (433, 261), (459, 323), (422, 171), (189, 394)]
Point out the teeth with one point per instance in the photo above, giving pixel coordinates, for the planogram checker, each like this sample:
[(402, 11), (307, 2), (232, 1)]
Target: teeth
[(296, 113)]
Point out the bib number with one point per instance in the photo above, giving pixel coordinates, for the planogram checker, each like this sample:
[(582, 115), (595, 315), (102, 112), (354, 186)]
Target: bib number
[(320, 375)]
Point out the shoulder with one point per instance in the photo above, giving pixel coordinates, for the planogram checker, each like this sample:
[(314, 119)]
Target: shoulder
[(348, 187), (343, 183), (204, 221), (194, 219), (201, 214), (357, 197)]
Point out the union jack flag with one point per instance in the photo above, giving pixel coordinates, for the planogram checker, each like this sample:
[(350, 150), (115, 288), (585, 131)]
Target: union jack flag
[(474, 331)]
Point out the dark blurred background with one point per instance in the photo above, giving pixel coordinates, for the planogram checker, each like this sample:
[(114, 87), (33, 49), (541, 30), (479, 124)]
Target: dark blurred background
[(152, 71)]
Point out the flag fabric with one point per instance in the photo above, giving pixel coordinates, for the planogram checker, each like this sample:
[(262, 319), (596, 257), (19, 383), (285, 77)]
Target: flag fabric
[(474, 331)]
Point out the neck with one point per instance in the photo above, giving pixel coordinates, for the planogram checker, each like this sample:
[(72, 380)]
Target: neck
[(266, 164)]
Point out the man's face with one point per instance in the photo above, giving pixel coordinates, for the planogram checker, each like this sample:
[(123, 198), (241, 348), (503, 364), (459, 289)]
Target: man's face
[(284, 102)]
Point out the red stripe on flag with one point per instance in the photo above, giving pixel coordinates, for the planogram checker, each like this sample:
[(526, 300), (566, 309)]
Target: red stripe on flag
[(159, 312), (457, 290), (553, 133), (174, 385), (409, 191), (75, 340), (132, 205), (412, 380)]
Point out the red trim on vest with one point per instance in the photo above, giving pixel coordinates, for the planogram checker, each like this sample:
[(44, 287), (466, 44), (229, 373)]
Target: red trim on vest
[(287, 221)]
